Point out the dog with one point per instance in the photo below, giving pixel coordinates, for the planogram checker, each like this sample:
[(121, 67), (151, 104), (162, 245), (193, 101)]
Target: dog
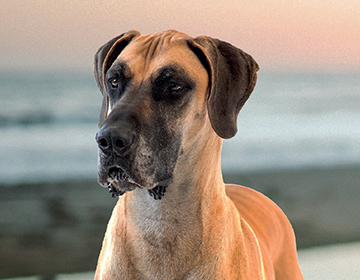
[(168, 101)]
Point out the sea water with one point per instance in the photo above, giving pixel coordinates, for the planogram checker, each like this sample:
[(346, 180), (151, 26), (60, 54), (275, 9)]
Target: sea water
[(48, 123)]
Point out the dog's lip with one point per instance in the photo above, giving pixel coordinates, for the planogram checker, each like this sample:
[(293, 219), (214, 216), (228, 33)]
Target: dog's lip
[(117, 174), (118, 182), (115, 191)]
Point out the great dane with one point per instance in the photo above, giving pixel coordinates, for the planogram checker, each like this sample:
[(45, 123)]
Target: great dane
[(168, 101)]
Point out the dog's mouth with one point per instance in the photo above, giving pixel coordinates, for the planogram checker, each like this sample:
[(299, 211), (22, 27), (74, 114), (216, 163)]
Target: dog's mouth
[(117, 174), (119, 182)]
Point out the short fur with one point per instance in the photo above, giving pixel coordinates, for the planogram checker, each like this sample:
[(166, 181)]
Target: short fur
[(168, 100)]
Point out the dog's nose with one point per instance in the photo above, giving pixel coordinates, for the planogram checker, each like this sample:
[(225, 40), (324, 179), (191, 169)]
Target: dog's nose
[(115, 140)]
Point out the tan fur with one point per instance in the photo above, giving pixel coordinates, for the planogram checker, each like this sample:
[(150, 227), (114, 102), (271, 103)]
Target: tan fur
[(201, 229)]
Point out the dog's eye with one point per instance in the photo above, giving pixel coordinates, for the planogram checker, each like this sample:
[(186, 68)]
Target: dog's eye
[(175, 88), (114, 82)]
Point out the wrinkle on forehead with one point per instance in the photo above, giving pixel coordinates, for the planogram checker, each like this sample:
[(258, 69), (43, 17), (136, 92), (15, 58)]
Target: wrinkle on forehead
[(149, 46), (155, 42)]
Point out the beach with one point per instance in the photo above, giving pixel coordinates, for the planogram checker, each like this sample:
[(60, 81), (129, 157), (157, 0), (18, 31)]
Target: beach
[(298, 133), (326, 263), (53, 225), (321, 203)]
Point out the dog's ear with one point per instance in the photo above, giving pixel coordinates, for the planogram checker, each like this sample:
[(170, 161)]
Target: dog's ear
[(232, 78), (104, 58)]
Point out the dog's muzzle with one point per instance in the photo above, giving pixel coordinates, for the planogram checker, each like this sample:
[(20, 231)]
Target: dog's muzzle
[(114, 144), (116, 150)]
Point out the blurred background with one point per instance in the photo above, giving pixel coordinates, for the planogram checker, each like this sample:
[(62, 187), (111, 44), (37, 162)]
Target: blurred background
[(298, 140)]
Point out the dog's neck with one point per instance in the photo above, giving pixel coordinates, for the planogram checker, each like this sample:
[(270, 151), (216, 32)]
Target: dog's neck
[(178, 225), (197, 178)]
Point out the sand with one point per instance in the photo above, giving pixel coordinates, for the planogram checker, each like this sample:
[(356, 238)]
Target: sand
[(324, 263), (321, 203)]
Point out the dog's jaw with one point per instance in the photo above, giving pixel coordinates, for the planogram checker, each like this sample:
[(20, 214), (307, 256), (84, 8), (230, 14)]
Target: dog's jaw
[(119, 182), (159, 191)]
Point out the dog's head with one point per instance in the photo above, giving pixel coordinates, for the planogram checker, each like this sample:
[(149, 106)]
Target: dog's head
[(159, 92)]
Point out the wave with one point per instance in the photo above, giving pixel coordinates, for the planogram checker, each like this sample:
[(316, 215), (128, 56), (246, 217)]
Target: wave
[(42, 118)]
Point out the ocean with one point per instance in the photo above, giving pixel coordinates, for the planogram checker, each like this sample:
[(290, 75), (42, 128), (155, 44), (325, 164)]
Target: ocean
[(48, 123)]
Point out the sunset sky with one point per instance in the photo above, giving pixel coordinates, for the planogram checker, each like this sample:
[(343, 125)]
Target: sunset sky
[(305, 35)]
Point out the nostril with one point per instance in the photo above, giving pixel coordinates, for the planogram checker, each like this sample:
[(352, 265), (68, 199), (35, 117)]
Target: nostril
[(103, 143), (119, 143)]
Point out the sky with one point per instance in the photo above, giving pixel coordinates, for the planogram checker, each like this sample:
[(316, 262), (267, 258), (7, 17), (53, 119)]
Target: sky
[(291, 35)]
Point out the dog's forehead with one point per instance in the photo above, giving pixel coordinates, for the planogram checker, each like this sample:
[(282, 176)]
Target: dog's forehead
[(148, 53)]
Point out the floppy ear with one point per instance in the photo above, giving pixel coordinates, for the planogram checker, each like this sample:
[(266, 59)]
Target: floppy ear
[(232, 78), (104, 58)]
